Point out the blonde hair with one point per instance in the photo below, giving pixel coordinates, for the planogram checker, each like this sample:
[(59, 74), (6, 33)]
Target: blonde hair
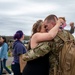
[(62, 18)]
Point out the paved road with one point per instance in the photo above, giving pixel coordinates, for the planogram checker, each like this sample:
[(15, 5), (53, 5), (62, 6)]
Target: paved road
[(9, 61)]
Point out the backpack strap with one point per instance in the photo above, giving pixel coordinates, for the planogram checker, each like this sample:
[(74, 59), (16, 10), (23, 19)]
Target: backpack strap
[(60, 53), (60, 36), (70, 37)]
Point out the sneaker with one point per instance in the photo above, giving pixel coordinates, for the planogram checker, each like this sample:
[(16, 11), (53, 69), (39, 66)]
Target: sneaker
[(11, 74)]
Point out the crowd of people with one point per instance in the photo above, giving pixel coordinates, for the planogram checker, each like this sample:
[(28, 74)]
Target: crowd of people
[(37, 58)]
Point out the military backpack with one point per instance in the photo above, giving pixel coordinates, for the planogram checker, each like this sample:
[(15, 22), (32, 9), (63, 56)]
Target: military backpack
[(67, 57)]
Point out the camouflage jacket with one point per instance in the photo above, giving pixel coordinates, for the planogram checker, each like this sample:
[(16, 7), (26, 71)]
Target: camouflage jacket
[(53, 47), (71, 30)]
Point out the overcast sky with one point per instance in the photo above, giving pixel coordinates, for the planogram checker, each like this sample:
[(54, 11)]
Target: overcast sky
[(22, 14)]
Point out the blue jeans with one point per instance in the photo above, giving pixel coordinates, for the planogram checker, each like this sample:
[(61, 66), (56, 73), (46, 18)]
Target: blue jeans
[(16, 68), (3, 65)]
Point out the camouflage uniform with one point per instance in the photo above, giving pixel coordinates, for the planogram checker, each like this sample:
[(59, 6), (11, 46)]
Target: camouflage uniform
[(71, 30), (53, 47)]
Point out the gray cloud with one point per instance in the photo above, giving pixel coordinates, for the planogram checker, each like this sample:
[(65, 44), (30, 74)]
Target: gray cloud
[(7, 6), (21, 15)]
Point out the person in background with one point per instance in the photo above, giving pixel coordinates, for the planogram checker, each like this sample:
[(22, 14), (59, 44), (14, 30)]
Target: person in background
[(64, 25), (0, 53), (18, 50), (72, 27), (4, 55), (63, 22)]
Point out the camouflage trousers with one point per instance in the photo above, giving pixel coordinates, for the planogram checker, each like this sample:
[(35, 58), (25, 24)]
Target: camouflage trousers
[(54, 67), (54, 71)]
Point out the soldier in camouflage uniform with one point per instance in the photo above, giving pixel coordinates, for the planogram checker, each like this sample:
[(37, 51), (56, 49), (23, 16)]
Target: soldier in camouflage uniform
[(53, 47), (72, 27)]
